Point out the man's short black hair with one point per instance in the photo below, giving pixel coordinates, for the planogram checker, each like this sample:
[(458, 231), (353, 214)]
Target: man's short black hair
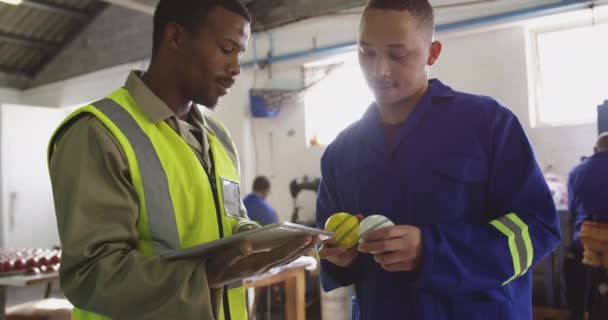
[(421, 10), (190, 14), (261, 183), (602, 142)]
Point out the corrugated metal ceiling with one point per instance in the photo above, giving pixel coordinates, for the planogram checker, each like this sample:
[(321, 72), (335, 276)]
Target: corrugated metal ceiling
[(32, 33)]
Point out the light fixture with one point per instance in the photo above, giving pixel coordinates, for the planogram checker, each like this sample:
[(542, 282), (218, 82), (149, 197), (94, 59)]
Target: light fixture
[(13, 2)]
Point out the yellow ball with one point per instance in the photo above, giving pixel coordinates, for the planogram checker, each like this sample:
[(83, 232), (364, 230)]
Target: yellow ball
[(345, 228)]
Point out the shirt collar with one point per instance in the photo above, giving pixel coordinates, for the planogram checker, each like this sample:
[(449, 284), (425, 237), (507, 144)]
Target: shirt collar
[(155, 108), (436, 92), (149, 103), (601, 154), (439, 90)]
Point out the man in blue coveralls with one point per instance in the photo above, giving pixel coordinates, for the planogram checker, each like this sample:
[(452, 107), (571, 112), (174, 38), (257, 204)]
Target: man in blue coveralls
[(454, 172), (258, 209), (588, 189), (587, 200)]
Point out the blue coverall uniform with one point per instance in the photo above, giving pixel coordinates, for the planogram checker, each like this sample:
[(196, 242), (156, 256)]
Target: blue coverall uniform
[(588, 192), (462, 170), (259, 210), (587, 200)]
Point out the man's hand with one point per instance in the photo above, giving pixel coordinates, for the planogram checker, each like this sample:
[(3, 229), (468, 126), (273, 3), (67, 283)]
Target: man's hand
[(395, 248), (244, 261), (338, 255)]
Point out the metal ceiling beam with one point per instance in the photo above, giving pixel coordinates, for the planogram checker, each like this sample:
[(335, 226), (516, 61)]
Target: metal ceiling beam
[(12, 80), (27, 42), (56, 8), (521, 14), (95, 11), (133, 5), (15, 72)]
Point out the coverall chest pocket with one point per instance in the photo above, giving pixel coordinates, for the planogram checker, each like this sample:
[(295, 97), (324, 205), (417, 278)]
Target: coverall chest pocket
[(456, 187)]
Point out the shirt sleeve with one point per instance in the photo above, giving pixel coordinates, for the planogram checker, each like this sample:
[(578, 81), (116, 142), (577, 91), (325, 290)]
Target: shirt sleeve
[(332, 276), (571, 196), (523, 225), (97, 212)]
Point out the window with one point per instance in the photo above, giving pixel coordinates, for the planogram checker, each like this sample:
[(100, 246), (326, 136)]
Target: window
[(571, 76), (335, 102)]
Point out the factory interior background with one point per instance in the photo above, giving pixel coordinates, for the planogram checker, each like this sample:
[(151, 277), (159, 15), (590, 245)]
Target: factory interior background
[(300, 86)]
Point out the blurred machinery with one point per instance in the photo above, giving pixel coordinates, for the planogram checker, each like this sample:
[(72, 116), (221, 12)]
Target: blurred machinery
[(295, 187), (273, 306)]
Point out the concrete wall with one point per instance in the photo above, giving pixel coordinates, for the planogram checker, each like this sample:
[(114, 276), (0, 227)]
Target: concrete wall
[(115, 37), (491, 62), (494, 62), (497, 63), (119, 36), (8, 95)]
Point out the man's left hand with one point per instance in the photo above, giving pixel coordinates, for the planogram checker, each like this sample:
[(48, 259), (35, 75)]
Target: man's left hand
[(395, 248)]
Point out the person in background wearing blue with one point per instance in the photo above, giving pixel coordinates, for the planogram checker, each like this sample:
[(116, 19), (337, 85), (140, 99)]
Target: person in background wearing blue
[(258, 209), (455, 173), (587, 200), (588, 189)]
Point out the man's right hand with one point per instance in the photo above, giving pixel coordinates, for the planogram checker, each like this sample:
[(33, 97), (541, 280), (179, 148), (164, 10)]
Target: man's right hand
[(244, 261), (338, 255)]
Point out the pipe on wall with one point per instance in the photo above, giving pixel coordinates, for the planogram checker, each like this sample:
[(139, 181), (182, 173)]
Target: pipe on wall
[(513, 16), (133, 5)]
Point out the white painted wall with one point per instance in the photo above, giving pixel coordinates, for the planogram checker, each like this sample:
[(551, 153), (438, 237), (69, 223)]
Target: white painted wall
[(495, 63), (8, 95), (81, 90), (491, 62), (264, 144), (26, 195)]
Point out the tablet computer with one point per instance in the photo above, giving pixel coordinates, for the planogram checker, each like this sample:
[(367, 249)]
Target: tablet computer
[(265, 238)]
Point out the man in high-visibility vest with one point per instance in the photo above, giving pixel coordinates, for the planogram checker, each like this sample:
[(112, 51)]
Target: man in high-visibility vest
[(145, 171), (454, 172)]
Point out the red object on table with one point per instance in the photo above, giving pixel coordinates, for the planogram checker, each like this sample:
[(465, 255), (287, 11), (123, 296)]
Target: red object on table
[(29, 261), (53, 268), (7, 266), (50, 258), (20, 264)]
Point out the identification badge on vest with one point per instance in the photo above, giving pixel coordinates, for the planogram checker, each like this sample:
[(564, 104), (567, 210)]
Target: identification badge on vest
[(232, 198)]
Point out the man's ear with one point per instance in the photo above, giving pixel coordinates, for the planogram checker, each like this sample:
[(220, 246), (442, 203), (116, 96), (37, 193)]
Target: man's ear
[(173, 36), (434, 53)]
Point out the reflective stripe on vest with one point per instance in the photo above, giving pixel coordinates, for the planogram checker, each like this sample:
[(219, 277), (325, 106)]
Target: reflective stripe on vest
[(158, 178), (223, 138), (159, 206), (161, 216)]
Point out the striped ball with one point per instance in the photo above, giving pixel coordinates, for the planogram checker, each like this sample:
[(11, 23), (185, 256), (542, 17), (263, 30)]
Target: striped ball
[(373, 222), (345, 228)]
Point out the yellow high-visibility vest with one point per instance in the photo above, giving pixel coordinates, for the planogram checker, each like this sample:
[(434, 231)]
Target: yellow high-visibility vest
[(181, 205)]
